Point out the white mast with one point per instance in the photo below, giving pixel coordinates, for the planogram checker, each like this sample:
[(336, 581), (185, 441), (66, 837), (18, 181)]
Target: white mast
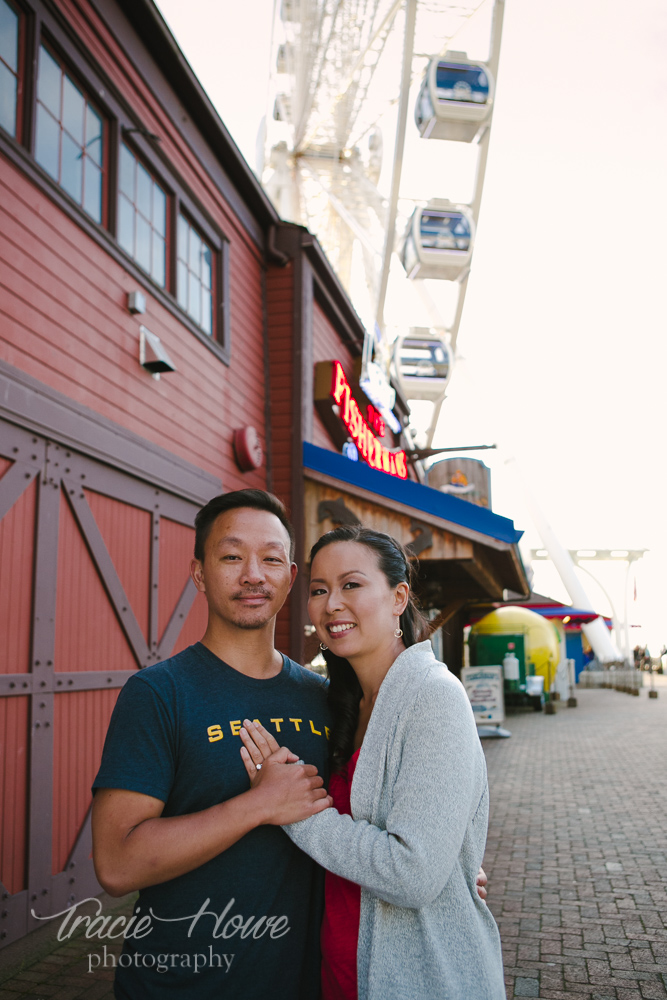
[(596, 631)]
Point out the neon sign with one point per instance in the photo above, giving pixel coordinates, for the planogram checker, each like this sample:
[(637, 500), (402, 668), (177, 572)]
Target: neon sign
[(373, 451)]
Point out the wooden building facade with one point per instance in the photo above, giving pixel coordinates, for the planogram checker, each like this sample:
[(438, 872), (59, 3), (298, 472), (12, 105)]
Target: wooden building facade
[(128, 218)]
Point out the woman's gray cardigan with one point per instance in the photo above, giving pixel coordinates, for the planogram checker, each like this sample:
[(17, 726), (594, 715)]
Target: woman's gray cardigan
[(415, 842)]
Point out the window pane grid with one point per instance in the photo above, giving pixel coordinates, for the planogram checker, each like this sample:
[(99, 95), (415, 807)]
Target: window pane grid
[(142, 217), (9, 67), (194, 273), (69, 136)]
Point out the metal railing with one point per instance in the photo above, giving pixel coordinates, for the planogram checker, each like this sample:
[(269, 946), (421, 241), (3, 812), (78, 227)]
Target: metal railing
[(625, 679)]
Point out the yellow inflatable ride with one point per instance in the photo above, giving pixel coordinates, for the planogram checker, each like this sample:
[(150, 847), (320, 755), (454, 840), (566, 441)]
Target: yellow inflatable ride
[(491, 637)]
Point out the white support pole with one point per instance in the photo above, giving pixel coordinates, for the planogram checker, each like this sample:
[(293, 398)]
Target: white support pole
[(629, 658), (496, 36), (494, 60), (454, 329), (392, 210), (480, 174), (614, 617), (434, 421)]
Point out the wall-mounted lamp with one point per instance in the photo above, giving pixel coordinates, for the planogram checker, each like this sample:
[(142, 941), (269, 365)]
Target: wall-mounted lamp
[(152, 354), (136, 302)]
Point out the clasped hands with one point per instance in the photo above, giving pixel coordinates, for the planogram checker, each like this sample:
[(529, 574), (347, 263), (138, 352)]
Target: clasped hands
[(294, 790), (291, 790)]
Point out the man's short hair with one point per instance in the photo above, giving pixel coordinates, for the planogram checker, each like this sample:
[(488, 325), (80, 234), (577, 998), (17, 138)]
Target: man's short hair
[(256, 499)]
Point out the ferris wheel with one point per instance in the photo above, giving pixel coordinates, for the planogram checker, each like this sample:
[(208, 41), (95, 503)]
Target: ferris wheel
[(342, 69)]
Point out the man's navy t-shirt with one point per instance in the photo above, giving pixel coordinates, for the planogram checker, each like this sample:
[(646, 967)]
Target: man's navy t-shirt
[(174, 735)]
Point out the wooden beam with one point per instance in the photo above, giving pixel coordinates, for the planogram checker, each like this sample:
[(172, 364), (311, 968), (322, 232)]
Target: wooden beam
[(443, 545), (485, 573), (447, 612), (458, 531)]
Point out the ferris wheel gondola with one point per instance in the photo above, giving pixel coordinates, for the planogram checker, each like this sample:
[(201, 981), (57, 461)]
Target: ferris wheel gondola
[(438, 242), (285, 58), (423, 362), (455, 99)]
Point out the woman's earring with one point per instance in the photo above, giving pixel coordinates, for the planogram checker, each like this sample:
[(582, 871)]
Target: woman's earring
[(398, 631), (322, 646)]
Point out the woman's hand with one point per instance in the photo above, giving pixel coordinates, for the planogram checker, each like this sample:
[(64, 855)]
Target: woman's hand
[(259, 745), (290, 790), (482, 882)]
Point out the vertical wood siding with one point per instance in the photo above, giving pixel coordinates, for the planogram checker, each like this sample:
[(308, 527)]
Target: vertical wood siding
[(280, 305), (176, 545), (88, 634), (327, 346), (127, 533), (195, 625), (17, 540), (327, 343), (14, 714), (81, 720)]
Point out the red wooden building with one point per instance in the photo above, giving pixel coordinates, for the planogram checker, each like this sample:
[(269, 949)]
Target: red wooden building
[(127, 214)]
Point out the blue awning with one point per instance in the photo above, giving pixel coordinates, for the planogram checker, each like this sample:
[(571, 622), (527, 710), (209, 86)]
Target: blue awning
[(406, 491)]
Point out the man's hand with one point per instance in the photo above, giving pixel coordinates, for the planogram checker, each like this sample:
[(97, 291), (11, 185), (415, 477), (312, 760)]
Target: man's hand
[(135, 846), (288, 789), (482, 882)]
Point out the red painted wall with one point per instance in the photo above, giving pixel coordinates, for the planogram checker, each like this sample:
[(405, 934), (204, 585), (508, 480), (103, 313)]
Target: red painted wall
[(16, 552), (81, 720), (14, 726), (280, 306), (16, 558), (63, 301), (327, 346), (65, 321), (176, 548)]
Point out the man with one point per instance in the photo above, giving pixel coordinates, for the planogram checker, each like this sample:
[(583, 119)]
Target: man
[(230, 907)]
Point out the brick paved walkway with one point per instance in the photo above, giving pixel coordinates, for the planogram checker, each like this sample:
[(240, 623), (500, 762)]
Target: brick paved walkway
[(61, 971), (577, 858), (577, 848)]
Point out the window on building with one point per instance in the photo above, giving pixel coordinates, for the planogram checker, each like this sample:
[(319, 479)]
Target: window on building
[(194, 275), (69, 136), (9, 67), (142, 216)]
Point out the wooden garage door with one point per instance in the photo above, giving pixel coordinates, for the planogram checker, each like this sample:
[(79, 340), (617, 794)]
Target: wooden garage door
[(94, 585)]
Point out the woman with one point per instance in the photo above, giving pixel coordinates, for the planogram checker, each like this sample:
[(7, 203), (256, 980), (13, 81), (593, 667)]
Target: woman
[(414, 833)]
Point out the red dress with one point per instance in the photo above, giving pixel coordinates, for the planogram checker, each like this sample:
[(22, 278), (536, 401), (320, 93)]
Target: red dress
[(342, 907)]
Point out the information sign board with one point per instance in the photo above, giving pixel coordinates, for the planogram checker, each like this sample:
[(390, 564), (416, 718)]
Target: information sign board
[(484, 687)]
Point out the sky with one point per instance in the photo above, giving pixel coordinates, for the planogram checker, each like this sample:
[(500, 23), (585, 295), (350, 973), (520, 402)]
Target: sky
[(563, 340)]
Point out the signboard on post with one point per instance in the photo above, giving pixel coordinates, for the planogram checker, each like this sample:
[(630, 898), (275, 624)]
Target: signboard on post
[(484, 687)]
